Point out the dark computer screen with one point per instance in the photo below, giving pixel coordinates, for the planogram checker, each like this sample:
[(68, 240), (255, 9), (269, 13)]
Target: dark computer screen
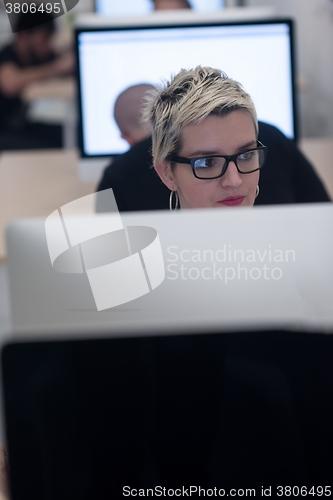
[(95, 419)]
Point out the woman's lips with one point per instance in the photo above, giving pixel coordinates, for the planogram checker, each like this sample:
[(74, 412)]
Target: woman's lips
[(232, 201)]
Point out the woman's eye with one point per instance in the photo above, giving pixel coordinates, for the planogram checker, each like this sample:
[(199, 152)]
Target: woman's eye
[(205, 163), (248, 155), (210, 162)]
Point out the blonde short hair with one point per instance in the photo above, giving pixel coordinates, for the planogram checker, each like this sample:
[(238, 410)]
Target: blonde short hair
[(190, 97)]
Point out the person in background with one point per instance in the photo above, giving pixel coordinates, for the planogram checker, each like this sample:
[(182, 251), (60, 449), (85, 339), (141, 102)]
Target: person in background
[(28, 59), (133, 168), (171, 4), (128, 110)]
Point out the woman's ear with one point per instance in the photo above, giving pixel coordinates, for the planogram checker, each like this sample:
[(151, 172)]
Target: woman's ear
[(163, 168)]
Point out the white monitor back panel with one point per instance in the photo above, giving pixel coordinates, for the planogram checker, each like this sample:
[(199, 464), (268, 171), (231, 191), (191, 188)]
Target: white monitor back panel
[(224, 269)]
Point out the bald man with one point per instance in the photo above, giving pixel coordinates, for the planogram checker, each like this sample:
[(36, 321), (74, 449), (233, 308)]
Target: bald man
[(128, 110)]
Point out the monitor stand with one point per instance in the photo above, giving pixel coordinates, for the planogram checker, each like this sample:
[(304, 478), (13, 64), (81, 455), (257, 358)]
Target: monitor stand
[(91, 170)]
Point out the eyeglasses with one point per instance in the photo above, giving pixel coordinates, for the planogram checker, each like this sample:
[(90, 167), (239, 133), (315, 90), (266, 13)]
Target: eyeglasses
[(212, 167)]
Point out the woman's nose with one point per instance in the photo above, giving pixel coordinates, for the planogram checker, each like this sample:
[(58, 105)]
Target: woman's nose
[(231, 178)]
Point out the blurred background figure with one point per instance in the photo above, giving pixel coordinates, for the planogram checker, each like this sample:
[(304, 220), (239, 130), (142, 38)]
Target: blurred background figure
[(131, 174), (128, 111), (28, 59), (171, 4)]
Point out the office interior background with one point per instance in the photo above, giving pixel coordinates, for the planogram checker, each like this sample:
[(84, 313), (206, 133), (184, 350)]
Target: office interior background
[(314, 64), (314, 75)]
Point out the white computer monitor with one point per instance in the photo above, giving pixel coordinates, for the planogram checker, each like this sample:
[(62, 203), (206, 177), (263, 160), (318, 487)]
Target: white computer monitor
[(225, 269), (259, 54)]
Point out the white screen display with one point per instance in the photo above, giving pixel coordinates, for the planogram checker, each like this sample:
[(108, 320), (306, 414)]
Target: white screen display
[(258, 56)]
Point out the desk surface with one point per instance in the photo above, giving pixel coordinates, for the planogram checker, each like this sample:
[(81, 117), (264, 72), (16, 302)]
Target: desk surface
[(320, 154), (54, 88), (34, 184)]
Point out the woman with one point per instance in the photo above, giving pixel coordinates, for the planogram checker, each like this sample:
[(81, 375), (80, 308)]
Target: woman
[(204, 132)]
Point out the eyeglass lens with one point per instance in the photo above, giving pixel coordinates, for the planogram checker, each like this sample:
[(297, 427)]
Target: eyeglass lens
[(207, 168)]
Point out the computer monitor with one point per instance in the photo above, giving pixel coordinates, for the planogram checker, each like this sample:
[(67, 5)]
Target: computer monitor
[(139, 7), (238, 414), (259, 54), (226, 269)]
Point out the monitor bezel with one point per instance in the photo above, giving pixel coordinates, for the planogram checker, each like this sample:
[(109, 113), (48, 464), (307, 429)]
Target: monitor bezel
[(181, 24)]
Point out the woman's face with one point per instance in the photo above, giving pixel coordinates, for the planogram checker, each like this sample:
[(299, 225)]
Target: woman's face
[(228, 135)]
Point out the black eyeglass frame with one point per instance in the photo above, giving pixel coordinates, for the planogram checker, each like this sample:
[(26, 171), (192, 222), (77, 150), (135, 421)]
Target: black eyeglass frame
[(191, 161)]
